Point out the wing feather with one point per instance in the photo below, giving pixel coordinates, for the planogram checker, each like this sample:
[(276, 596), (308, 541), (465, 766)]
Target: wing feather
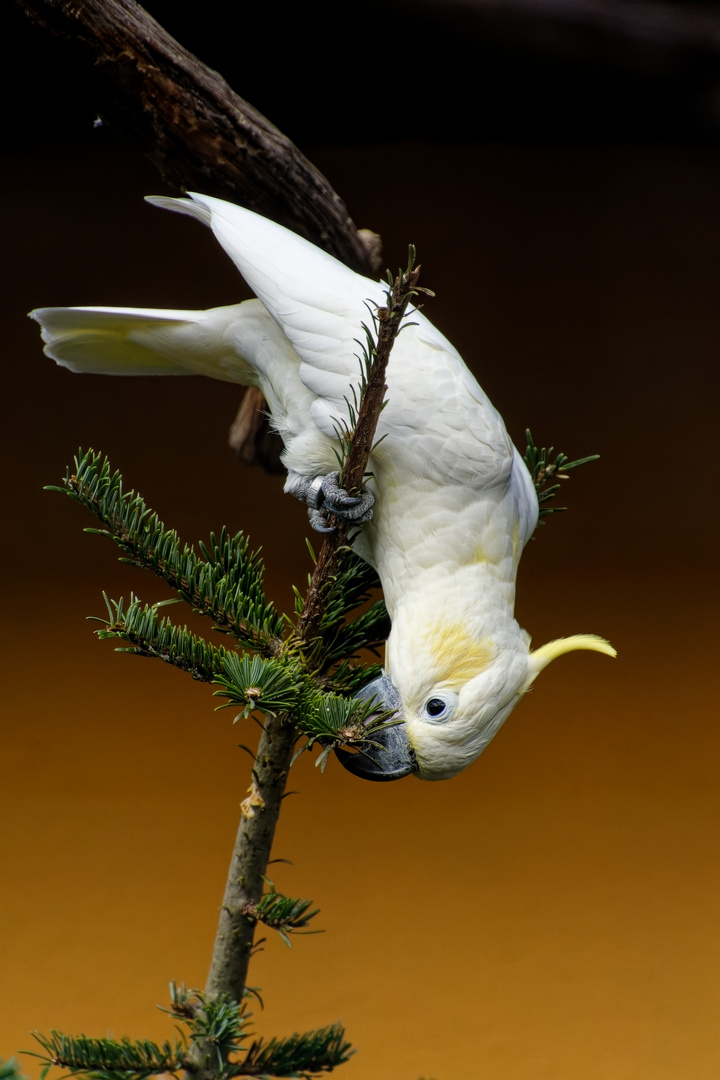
[(438, 419)]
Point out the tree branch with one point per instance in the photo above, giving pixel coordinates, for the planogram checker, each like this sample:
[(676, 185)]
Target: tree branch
[(390, 320), (260, 810), (244, 888), (202, 135), (194, 127)]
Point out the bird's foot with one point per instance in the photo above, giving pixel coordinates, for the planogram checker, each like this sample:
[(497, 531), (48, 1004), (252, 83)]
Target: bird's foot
[(325, 496)]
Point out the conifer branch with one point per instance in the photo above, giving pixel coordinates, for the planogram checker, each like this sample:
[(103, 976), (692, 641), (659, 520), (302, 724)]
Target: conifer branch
[(216, 1027), (543, 469), (299, 1055), (233, 943), (226, 584), (110, 1058), (355, 581), (10, 1070), (358, 448), (150, 635), (285, 914), (246, 875)]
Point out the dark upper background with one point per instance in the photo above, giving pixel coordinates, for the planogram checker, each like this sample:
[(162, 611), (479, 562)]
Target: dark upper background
[(515, 71), (553, 911)]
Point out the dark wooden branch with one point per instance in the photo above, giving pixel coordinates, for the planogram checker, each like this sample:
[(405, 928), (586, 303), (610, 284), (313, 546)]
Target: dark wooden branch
[(203, 136), (194, 127)]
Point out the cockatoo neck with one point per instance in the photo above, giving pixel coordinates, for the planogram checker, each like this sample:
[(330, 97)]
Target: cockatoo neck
[(449, 626), (428, 579), (440, 547)]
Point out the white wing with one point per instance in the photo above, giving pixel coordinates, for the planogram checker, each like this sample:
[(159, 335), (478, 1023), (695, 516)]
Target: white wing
[(437, 418)]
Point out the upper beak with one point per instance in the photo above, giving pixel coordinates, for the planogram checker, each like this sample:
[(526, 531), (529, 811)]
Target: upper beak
[(388, 756)]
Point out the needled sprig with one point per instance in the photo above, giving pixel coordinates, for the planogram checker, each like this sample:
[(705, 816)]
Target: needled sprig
[(387, 323), (302, 1056), (343, 637), (224, 582), (216, 1024), (150, 634), (284, 914), (291, 678), (220, 1024), (546, 471), (233, 943), (109, 1059), (10, 1070)]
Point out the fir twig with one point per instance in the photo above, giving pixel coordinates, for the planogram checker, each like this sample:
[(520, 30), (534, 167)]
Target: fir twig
[(357, 452), (109, 1058), (226, 583), (150, 635), (546, 472), (285, 914), (295, 693), (233, 944), (297, 1056), (342, 637), (10, 1070)]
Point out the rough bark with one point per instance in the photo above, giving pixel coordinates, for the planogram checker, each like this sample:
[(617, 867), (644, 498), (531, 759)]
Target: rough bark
[(195, 128), (245, 885), (202, 135)]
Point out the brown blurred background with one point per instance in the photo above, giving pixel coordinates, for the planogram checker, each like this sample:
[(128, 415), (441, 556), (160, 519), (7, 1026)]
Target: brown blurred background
[(552, 913)]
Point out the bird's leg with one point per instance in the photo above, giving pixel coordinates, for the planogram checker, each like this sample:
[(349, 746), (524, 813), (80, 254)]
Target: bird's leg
[(324, 496)]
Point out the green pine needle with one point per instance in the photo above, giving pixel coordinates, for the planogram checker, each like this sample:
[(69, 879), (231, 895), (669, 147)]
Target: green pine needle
[(285, 914), (110, 1059), (272, 686), (150, 635), (544, 470), (10, 1070), (224, 583), (297, 1056)]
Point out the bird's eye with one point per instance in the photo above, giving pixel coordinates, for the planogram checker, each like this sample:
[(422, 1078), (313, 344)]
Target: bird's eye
[(439, 707)]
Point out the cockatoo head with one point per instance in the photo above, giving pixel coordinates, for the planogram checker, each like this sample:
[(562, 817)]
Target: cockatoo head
[(448, 706)]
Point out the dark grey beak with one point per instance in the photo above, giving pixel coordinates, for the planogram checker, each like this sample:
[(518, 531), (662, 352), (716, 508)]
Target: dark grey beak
[(388, 756)]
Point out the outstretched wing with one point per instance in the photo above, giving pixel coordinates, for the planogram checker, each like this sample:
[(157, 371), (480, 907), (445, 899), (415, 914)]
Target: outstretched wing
[(437, 416)]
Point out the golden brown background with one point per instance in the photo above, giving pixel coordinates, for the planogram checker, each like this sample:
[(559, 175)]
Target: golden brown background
[(552, 913)]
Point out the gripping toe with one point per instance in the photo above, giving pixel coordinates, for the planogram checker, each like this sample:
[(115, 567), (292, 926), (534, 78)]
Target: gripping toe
[(356, 509), (324, 496)]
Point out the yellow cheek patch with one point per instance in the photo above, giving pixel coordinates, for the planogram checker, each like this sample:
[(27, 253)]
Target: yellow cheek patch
[(453, 656)]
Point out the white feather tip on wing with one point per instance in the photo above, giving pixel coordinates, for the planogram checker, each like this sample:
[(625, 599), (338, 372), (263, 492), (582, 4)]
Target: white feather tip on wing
[(189, 207)]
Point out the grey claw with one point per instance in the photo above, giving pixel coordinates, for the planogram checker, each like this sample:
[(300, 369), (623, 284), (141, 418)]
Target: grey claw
[(320, 523), (335, 496), (353, 508), (324, 496)]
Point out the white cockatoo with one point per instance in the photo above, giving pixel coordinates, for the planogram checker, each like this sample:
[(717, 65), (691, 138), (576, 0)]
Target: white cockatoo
[(454, 504)]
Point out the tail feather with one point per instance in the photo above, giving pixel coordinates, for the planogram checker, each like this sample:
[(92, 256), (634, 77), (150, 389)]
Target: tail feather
[(139, 341), (111, 341)]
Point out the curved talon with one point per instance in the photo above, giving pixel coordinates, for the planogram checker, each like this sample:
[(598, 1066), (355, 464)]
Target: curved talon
[(320, 523), (324, 496), (354, 508), (336, 496), (355, 515)]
